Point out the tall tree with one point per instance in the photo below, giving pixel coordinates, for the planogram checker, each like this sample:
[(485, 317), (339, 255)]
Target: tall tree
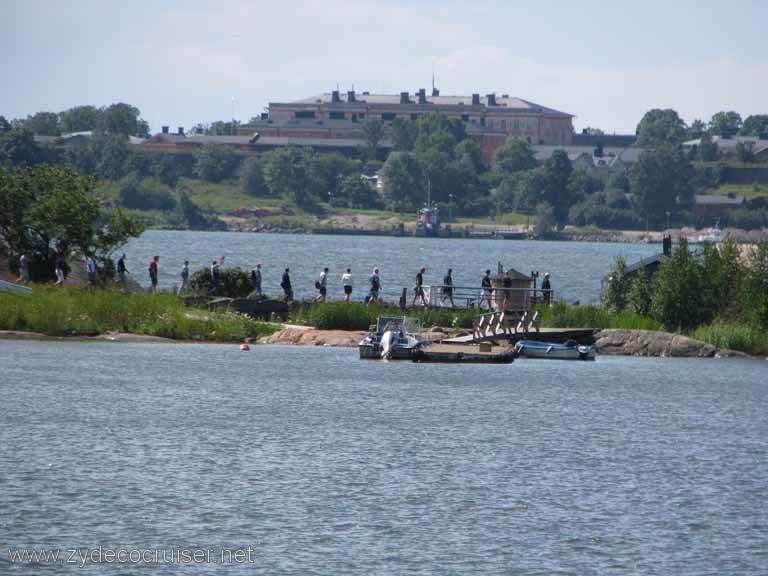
[(287, 172), (755, 125), (215, 162), (5, 126), (660, 126), (515, 155), (558, 170), (660, 180), (403, 181), (123, 118), (403, 134), (18, 148), (374, 132), (43, 123), (79, 119), (708, 150), (725, 124), (252, 180)]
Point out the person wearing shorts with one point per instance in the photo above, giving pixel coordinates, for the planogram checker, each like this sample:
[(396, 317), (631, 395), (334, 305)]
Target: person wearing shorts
[(346, 282)]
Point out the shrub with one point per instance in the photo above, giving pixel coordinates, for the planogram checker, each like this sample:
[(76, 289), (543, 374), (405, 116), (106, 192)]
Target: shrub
[(233, 282)]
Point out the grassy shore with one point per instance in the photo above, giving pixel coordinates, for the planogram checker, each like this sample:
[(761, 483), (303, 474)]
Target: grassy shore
[(75, 311)]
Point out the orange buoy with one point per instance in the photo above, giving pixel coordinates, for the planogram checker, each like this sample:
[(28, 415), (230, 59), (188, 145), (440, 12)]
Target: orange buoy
[(244, 347)]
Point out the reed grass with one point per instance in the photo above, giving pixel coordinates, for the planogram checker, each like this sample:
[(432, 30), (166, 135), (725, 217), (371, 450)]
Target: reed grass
[(561, 315), (75, 311), (734, 335)]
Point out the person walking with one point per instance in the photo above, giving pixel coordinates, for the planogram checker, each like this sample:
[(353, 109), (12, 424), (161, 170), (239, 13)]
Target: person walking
[(256, 280), (346, 282), (418, 291), (215, 278), (121, 272), (90, 270), (23, 269), (322, 286), (373, 294), (184, 286), (285, 284), (506, 284), (61, 269), (448, 288), (153, 273), (546, 288), (485, 291)]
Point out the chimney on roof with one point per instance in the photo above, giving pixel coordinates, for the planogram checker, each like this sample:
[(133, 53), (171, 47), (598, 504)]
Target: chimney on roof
[(335, 96), (181, 130), (435, 92), (491, 99), (422, 96), (404, 98), (475, 99), (165, 129), (351, 96)]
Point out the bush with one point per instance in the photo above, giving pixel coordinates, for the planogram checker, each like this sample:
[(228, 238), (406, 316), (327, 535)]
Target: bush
[(137, 194), (560, 315), (234, 282), (734, 335)]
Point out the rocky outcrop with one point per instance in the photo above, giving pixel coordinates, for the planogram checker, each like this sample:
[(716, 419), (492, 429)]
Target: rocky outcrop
[(651, 343), (312, 337)]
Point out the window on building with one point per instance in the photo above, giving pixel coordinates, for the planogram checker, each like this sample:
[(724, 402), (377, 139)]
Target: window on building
[(304, 114), (361, 115), (465, 117), (413, 116), (503, 124), (388, 116), (336, 115)]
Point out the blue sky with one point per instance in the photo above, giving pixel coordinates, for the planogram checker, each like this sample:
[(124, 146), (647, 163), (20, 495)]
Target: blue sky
[(182, 62)]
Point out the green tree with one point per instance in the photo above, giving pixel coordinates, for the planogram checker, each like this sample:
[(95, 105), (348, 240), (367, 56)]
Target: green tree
[(616, 286), (222, 128), (677, 300), (403, 134), (43, 123), (725, 124), (660, 126), (755, 125), (45, 203), (515, 155), (640, 293), (357, 193), (18, 148), (546, 220), (374, 132), (708, 150), (697, 129), (660, 181), (745, 151), (215, 162), (326, 171), (403, 181), (140, 195), (190, 212), (557, 193), (124, 119), (79, 119), (252, 180), (471, 149), (287, 172), (5, 126), (111, 152), (754, 290)]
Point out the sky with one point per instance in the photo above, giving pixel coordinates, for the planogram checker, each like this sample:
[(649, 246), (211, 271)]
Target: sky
[(182, 62)]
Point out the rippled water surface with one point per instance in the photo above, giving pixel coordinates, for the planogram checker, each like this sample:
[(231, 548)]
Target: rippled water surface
[(576, 267), (325, 464)]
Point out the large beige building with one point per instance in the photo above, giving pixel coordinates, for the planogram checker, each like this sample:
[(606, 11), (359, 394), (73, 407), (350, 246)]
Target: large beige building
[(491, 119)]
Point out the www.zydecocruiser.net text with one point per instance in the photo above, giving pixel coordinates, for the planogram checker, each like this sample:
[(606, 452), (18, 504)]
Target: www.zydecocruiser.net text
[(101, 555)]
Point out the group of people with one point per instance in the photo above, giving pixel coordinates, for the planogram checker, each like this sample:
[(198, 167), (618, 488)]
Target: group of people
[(321, 283)]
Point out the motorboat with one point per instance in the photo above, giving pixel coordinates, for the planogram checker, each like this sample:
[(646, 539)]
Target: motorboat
[(713, 235), (392, 338), (570, 350)]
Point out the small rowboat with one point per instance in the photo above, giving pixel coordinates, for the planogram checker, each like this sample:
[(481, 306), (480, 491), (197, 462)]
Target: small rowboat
[(570, 350)]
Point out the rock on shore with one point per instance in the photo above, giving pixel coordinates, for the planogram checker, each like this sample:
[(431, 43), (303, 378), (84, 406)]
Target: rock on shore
[(651, 343), (312, 337)]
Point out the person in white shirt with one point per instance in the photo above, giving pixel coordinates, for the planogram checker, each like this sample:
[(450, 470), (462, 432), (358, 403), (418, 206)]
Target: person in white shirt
[(346, 282), (322, 285), (184, 286)]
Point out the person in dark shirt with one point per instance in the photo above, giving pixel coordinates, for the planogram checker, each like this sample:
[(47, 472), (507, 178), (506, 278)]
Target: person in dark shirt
[(546, 287), (285, 284), (121, 272), (418, 291), (486, 291), (448, 288), (153, 273)]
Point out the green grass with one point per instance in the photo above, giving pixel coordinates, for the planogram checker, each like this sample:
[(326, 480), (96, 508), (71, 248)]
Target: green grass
[(561, 315), (357, 316), (746, 190), (223, 196), (74, 311), (734, 335)]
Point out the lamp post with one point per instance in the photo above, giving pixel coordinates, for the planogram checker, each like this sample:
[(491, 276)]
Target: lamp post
[(668, 213), (450, 207)]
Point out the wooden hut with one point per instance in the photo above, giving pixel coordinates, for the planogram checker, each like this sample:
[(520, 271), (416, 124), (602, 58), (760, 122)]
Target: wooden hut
[(519, 299)]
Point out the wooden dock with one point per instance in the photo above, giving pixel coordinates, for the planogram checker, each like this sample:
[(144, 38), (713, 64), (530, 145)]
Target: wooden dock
[(581, 335), (465, 354)]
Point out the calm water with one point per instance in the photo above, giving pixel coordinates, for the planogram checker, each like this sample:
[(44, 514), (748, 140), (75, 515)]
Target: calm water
[(576, 267), (325, 464)]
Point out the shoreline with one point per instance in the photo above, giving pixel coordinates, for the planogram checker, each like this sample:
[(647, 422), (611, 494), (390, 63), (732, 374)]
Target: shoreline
[(609, 342)]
